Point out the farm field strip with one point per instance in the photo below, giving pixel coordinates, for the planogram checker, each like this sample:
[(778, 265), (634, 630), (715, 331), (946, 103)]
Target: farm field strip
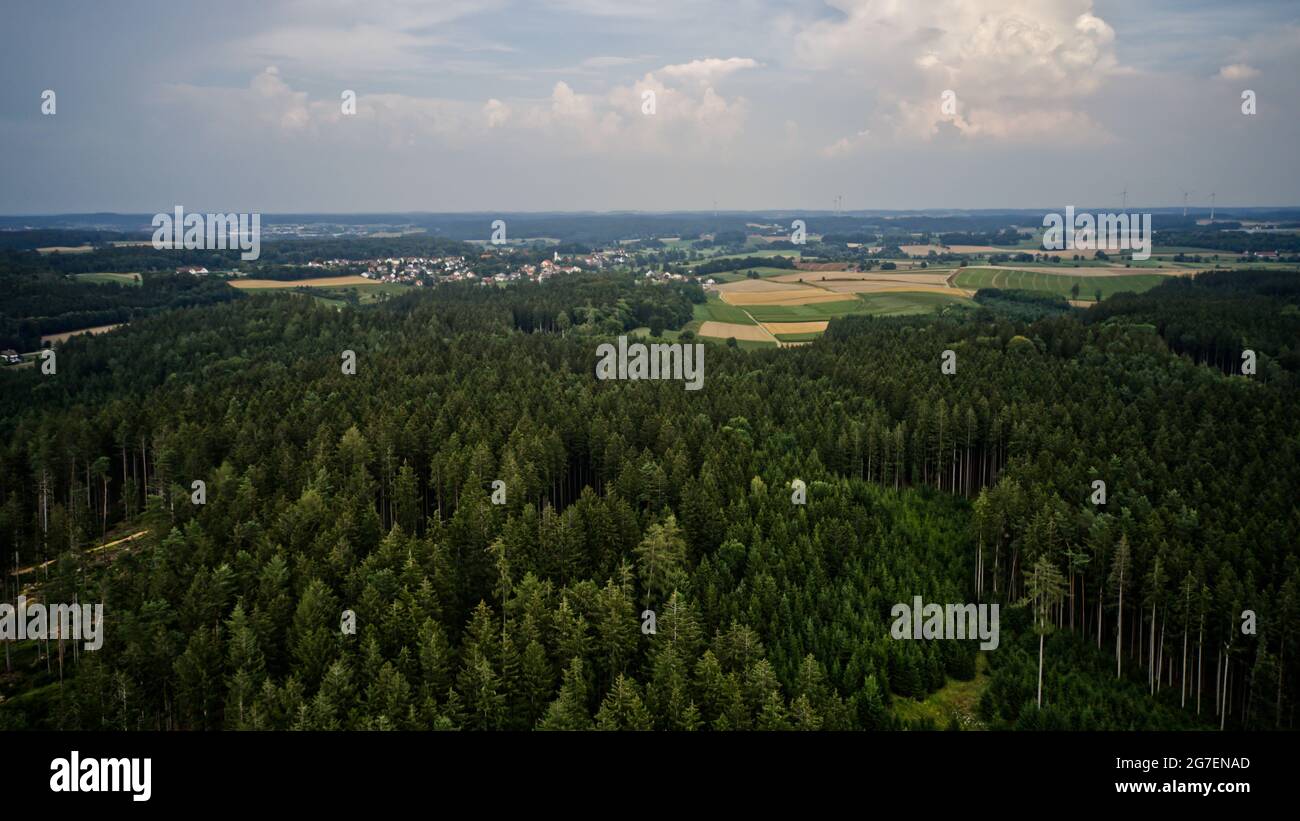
[(60, 337), (1058, 283), (779, 329), (716, 309), (797, 296), (878, 288), (1088, 271), (932, 276), (908, 303)]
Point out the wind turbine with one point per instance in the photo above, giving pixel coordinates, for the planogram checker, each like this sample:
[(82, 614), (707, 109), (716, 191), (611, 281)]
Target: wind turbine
[(1124, 198), (1211, 206), (1185, 193)]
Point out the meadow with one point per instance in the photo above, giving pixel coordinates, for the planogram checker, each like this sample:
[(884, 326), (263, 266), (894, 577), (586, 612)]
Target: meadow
[(1059, 284), (109, 278)]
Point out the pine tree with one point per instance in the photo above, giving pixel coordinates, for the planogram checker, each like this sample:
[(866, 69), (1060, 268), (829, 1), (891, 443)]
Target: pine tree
[(622, 708), (661, 562), (1044, 590), (479, 688), (569, 711), (1118, 574)]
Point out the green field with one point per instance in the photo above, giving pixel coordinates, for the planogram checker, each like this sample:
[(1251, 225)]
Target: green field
[(757, 251), (365, 294), (108, 277), (743, 273), (747, 344), (719, 311), (887, 304), (900, 303), (908, 304), (1059, 284), (806, 313)]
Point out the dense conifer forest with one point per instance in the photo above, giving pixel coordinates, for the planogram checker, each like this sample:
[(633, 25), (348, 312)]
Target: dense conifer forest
[(373, 493)]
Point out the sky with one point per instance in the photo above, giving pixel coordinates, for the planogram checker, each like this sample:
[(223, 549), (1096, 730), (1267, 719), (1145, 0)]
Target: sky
[(651, 105)]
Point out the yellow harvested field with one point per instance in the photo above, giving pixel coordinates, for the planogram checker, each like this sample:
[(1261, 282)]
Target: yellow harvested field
[(768, 292), (808, 275), (800, 296), (895, 287), (725, 330), (320, 282), (749, 285), (980, 249), (66, 249), (796, 327), (932, 276), (98, 329)]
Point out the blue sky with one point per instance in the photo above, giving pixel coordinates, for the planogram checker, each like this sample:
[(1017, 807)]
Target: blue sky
[(489, 105)]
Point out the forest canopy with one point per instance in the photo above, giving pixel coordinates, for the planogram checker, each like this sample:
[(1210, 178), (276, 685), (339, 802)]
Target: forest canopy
[(373, 493)]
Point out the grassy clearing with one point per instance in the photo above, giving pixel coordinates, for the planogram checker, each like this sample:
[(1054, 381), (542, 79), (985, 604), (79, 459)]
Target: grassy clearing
[(110, 278), (318, 282), (668, 334), (955, 700), (365, 294)]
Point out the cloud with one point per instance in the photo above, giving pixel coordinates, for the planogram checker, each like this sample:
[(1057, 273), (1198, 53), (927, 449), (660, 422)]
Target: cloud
[(363, 40), (689, 117), (496, 112), (707, 70), (847, 145), (1238, 71), (611, 61), (1009, 61)]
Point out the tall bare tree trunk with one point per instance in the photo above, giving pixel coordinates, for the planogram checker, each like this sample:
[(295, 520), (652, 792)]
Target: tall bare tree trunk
[(1040, 669), (1119, 630), (1200, 651), (1182, 675), (1160, 654)]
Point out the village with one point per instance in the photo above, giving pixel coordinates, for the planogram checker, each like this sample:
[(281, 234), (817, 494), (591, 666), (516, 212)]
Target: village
[(486, 268)]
